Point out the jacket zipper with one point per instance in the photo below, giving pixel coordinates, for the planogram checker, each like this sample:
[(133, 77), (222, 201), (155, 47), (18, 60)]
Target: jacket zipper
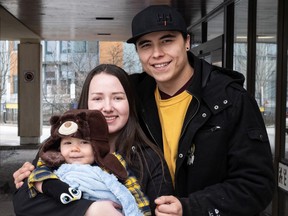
[(191, 117), (191, 151), (151, 135)]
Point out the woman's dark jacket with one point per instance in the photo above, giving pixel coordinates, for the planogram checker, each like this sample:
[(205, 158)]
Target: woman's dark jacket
[(232, 171), (154, 184)]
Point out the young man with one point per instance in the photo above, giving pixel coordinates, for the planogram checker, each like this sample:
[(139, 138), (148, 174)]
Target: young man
[(209, 128)]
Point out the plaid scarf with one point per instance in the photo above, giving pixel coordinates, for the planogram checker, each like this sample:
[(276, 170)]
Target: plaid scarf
[(133, 186)]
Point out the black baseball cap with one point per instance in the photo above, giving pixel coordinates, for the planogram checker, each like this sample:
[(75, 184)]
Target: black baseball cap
[(156, 18)]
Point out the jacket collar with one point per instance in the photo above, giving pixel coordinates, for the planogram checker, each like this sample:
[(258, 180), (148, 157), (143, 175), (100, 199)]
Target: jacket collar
[(210, 82)]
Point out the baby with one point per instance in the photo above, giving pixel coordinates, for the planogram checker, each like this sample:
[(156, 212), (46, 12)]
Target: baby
[(79, 154)]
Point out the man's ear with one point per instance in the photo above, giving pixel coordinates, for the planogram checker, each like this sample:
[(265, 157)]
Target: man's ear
[(188, 41)]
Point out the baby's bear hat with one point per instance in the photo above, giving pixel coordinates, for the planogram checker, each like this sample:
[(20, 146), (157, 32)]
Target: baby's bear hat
[(84, 124)]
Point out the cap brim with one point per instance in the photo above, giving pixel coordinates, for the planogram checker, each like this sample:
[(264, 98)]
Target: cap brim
[(136, 37), (133, 39)]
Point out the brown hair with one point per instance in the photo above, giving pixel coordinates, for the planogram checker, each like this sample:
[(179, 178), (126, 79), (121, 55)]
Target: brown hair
[(131, 140)]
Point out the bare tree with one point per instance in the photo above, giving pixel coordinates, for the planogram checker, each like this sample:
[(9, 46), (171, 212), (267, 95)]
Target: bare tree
[(8, 63), (265, 68), (65, 73), (121, 54), (265, 85), (65, 69), (265, 73), (81, 65), (116, 54), (131, 62)]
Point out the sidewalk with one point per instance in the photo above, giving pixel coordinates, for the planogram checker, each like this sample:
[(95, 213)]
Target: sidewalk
[(10, 161), (9, 135), (12, 156)]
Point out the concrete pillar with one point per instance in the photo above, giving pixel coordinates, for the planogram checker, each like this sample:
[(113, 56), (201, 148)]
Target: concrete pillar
[(29, 92)]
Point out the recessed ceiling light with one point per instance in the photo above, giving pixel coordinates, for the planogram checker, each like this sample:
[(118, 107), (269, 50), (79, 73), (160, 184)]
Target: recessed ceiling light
[(265, 37), (259, 37), (104, 34), (104, 18)]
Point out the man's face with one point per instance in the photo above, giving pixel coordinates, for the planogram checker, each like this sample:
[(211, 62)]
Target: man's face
[(164, 56)]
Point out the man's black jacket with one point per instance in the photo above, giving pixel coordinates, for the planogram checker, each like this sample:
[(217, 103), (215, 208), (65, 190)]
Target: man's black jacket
[(232, 172)]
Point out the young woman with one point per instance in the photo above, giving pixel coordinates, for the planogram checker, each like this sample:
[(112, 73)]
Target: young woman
[(107, 88)]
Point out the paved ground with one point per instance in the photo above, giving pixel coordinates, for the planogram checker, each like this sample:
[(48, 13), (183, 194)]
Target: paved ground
[(10, 160), (12, 156)]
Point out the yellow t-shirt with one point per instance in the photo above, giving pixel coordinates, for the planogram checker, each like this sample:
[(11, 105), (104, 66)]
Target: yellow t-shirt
[(172, 113)]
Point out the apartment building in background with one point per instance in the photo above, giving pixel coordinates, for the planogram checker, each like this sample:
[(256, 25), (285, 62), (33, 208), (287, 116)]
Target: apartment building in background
[(65, 65)]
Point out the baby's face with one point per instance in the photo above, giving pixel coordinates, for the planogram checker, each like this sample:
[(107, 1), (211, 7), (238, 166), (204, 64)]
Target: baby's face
[(76, 151)]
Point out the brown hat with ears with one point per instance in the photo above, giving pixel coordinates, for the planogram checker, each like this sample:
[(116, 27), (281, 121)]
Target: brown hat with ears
[(84, 124)]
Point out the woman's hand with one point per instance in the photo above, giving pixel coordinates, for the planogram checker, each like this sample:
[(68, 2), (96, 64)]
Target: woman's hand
[(104, 208), (22, 173), (168, 205)]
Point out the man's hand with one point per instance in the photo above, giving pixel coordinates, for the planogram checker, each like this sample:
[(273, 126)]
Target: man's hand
[(168, 205), (22, 173)]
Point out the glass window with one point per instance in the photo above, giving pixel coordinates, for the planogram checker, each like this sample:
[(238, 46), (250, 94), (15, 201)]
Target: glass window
[(15, 45), (15, 84), (65, 46), (215, 26), (196, 36), (92, 46), (240, 37), (51, 47), (79, 46), (266, 49), (286, 115)]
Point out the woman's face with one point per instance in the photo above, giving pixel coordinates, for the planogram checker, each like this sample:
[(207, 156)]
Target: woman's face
[(107, 95)]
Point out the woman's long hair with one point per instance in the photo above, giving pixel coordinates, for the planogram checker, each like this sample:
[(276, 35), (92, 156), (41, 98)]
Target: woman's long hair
[(131, 140)]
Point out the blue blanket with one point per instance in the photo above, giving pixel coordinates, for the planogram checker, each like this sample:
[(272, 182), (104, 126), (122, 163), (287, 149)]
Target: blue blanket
[(96, 184)]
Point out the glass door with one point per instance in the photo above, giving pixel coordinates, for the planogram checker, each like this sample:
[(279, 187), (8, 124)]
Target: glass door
[(211, 51), (280, 207)]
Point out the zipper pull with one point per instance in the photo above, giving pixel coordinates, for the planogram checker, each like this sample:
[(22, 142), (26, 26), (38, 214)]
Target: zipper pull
[(191, 155), (215, 128)]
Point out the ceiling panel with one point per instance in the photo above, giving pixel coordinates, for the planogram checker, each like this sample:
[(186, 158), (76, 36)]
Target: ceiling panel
[(107, 20)]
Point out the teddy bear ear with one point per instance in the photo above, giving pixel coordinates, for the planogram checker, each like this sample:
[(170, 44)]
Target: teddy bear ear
[(82, 115), (50, 153), (54, 119), (52, 158)]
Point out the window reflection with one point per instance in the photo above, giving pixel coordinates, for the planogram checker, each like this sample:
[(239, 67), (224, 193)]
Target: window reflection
[(215, 21), (240, 40), (266, 56)]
